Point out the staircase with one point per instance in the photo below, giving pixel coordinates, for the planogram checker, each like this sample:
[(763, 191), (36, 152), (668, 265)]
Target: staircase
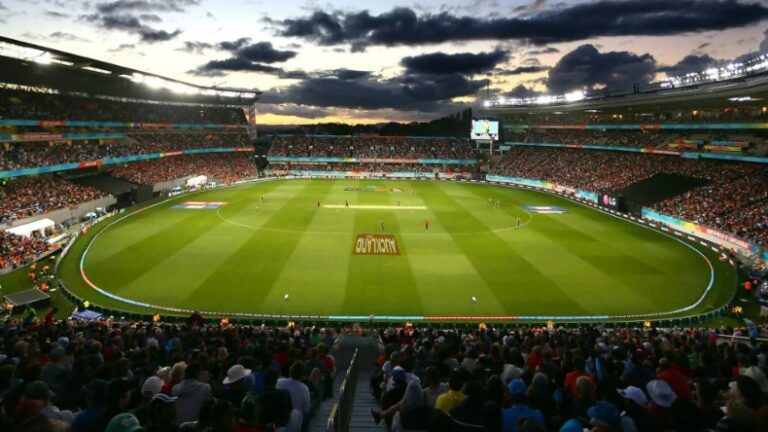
[(349, 408)]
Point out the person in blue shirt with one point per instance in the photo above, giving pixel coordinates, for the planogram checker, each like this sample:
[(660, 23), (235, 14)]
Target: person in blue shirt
[(513, 416)]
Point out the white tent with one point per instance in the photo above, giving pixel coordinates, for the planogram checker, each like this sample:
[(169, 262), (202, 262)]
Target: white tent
[(27, 229), (197, 181)]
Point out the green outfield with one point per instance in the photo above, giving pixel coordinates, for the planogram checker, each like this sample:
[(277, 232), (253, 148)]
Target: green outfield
[(266, 240)]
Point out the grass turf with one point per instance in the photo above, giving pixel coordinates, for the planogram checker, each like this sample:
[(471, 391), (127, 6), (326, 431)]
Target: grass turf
[(246, 255)]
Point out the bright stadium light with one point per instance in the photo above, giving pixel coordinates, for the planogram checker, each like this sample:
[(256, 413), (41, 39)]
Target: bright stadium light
[(44, 58), (575, 96), (97, 70)]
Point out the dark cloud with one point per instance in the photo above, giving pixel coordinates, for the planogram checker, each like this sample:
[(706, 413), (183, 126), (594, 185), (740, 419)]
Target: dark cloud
[(54, 14), (426, 93), (536, 5), (129, 6), (234, 45), (586, 68), (523, 70), (344, 74), (691, 63), (249, 58), (151, 36), (294, 110), (58, 35), (521, 92), (198, 46), (264, 52), (150, 18), (131, 24), (447, 64), (122, 47), (547, 50), (403, 26), (235, 64)]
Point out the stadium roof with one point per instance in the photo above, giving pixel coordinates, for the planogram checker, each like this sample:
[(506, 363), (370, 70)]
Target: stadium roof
[(26, 64), (749, 89)]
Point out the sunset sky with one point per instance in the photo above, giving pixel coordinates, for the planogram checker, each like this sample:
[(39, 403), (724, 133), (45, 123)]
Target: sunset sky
[(372, 61)]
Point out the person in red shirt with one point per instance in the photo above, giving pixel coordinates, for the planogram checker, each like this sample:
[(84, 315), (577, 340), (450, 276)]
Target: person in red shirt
[(426, 224), (578, 371), (534, 358), (51, 315), (676, 380)]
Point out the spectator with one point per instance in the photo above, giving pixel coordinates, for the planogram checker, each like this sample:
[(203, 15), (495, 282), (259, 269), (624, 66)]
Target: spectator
[(162, 414), (299, 391), (447, 401), (191, 393), (274, 405)]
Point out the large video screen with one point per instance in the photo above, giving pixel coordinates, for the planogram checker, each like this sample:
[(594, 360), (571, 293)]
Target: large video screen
[(485, 130)]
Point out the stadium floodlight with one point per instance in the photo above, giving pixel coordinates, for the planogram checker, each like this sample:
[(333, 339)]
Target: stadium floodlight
[(486, 103), (97, 70), (575, 96), (137, 78), (44, 58)]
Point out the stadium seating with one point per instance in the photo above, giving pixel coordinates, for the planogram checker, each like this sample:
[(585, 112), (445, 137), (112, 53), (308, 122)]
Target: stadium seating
[(367, 167), (35, 154), (17, 251), (372, 147), (622, 379), (80, 376), (46, 106), (28, 196), (223, 167), (735, 201), (734, 142)]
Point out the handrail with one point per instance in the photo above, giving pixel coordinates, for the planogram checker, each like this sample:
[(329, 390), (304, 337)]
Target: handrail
[(338, 420)]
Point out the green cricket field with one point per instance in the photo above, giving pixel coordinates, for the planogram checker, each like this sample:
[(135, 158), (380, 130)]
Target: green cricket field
[(347, 249)]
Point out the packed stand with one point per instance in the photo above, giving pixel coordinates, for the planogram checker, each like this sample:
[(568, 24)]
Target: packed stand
[(371, 147), (222, 167), (36, 154), (735, 199), (673, 140), (746, 114), (16, 104), (638, 139), (109, 376), (369, 167), (29, 196), (16, 251), (623, 380)]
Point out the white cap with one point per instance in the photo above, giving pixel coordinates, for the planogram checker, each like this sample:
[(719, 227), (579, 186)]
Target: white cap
[(634, 394)]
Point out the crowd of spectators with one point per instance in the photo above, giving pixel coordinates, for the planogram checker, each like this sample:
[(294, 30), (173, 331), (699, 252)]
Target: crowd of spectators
[(735, 199), (193, 376), (746, 114), (626, 138), (221, 167), (37, 154), (17, 251), (17, 104), (641, 138), (369, 167), (372, 147), (92, 377), (28, 196), (624, 379)]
